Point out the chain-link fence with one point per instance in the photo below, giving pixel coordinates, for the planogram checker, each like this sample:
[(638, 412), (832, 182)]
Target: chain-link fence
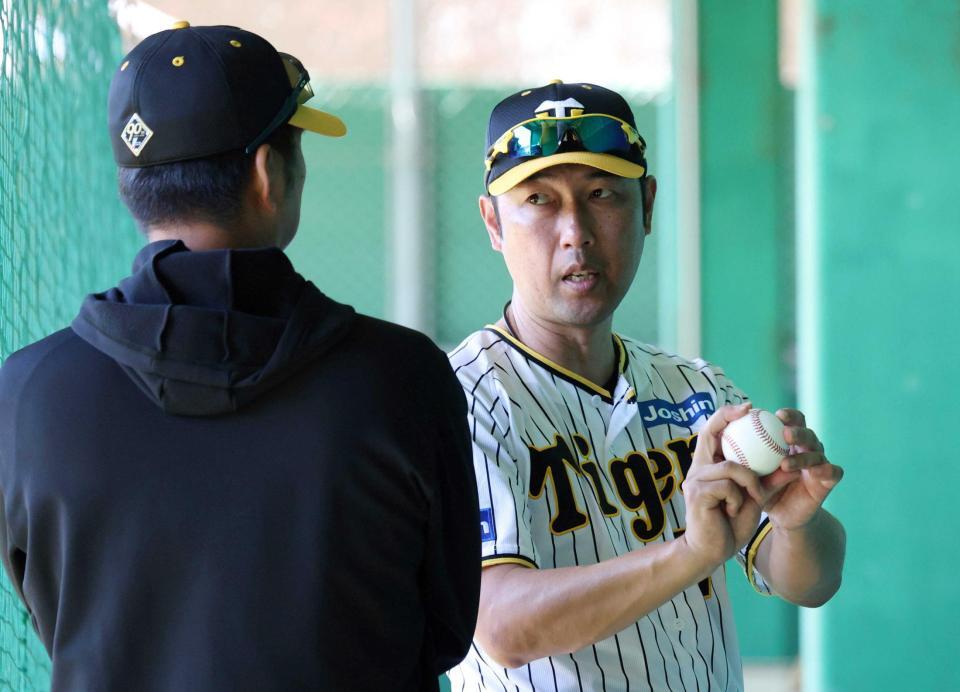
[(63, 232)]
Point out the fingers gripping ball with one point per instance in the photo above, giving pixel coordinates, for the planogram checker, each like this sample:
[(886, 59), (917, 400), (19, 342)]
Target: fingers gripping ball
[(756, 441)]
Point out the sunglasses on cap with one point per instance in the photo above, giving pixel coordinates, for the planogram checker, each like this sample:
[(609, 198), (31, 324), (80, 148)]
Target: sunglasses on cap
[(300, 94), (593, 132)]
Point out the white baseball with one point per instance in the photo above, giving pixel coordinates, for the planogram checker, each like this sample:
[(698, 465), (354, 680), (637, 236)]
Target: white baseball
[(756, 441)]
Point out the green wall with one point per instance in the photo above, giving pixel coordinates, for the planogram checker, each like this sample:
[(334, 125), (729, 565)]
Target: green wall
[(747, 245), (879, 241)]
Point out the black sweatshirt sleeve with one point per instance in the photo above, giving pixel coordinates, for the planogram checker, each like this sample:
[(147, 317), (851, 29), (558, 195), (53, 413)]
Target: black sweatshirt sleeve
[(452, 562), (12, 375)]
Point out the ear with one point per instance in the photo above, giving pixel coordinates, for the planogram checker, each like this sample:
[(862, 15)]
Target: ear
[(492, 221), (649, 191), (267, 181)]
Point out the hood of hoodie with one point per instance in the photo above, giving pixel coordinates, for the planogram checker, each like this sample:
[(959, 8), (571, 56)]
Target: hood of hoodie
[(203, 333)]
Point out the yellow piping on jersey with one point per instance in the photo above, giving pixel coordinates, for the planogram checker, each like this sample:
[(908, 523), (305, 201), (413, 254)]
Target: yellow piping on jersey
[(491, 561), (752, 556), (621, 360), (621, 354)]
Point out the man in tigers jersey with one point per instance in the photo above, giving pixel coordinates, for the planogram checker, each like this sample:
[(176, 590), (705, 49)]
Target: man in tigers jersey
[(607, 509)]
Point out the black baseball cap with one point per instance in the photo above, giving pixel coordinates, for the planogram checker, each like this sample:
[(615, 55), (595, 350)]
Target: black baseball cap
[(191, 92), (561, 123)]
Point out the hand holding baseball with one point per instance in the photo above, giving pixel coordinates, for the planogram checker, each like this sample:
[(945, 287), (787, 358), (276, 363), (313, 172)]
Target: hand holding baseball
[(723, 497), (805, 478)]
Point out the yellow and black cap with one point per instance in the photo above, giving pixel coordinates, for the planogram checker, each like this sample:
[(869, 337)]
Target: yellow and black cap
[(561, 123), (191, 92)]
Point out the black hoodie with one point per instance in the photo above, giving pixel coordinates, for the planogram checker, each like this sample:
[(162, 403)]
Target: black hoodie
[(220, 479)]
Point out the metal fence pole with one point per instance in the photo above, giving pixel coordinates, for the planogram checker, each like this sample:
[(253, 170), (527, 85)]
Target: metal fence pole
[(686, 80), (410, 280)]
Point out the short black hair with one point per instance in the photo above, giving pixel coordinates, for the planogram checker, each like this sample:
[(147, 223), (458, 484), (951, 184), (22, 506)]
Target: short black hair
[(207, 189)]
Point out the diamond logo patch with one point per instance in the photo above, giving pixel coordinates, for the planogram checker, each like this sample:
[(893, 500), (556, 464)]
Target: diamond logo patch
[(136, 134)]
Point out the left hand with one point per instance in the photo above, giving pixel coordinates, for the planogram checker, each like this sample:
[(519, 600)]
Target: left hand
[(804, 479)]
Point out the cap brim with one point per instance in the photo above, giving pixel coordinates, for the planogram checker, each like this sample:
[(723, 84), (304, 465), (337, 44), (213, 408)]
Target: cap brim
[(605, 162), (317, 121)]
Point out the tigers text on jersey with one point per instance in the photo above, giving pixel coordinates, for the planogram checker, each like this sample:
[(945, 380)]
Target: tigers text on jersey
[(571, 474)]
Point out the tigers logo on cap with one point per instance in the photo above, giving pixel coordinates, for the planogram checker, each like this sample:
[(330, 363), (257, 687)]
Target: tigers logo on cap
[(558, 124), (568, 108)]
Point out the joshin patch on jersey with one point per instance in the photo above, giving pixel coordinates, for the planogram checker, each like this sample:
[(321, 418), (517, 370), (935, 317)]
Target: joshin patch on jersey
[(685, 413)]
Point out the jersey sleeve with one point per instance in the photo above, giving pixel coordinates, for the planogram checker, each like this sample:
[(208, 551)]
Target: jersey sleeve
[(727, 392), (498, 463), (747, 555)]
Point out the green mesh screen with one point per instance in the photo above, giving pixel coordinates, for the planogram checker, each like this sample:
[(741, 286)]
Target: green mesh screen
[(63, 232), (341, 244)]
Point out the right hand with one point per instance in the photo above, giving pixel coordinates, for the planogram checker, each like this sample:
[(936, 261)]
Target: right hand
[(723, 498)]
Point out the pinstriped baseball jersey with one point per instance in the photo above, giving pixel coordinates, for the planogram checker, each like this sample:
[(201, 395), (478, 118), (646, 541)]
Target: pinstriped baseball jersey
[(569, 473)]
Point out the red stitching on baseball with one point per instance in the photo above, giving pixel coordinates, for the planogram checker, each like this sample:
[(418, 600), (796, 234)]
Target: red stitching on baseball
[(764, 435), (741, 457)]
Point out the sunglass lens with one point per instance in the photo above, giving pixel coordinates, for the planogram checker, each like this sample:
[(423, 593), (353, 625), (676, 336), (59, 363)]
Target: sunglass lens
[(295, 69), (534, 139), (306, 94), (602, 135)]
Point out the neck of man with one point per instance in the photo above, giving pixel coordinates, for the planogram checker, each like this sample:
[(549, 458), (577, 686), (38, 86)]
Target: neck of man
[(587, 351), (204, 235)]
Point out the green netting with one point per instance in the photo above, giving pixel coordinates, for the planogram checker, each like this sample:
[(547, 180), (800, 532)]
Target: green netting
[(341, 244), (63, 232)]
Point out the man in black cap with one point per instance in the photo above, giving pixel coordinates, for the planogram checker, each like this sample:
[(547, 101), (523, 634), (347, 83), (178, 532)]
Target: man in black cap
[(607, 510), (218, 478)]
